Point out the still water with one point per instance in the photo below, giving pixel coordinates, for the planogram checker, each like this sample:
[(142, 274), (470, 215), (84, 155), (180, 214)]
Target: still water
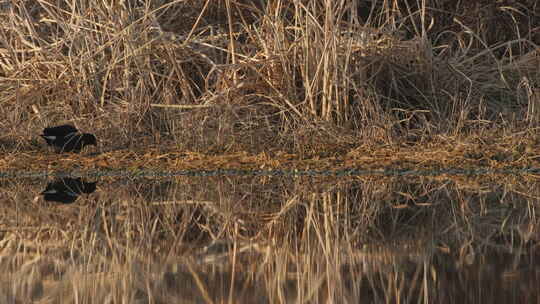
[(270, 237)]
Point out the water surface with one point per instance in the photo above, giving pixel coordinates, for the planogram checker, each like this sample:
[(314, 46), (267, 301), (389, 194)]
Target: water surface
[(287, 236)]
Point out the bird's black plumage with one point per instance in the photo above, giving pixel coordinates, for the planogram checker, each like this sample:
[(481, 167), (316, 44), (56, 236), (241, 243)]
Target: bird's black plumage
[(67, 190), (66, 138)]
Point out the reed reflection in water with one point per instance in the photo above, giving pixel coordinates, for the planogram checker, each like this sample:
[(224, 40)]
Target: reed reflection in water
[(274, 239)]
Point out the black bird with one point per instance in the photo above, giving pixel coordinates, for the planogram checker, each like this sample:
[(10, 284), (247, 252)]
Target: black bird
[(67, 138), (66, 190)]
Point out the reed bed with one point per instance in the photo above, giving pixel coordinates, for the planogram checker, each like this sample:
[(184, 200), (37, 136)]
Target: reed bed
[(326, 85), (231, 76)]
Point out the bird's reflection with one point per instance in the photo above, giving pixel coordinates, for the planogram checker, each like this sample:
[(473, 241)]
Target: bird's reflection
[(66, 190)]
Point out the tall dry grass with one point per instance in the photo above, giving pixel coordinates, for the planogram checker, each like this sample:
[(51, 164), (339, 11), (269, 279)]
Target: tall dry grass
[(234, 75), (229, 75)]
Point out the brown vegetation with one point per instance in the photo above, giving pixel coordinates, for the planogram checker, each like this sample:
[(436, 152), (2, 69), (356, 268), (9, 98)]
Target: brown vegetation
[(324, 85), (229, 76)]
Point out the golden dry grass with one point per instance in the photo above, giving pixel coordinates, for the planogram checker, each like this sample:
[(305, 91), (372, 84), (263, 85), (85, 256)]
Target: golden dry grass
[(516, 151), (323, 85), (229, 76)]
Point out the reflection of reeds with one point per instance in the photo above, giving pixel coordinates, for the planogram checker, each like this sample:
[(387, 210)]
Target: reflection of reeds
[(274, 238)]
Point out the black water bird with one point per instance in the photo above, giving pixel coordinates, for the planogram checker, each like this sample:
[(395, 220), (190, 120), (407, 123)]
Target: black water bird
[(66, 138), (66, 190)]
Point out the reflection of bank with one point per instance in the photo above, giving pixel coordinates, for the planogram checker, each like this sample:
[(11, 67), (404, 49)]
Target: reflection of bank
[(66, 190)]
